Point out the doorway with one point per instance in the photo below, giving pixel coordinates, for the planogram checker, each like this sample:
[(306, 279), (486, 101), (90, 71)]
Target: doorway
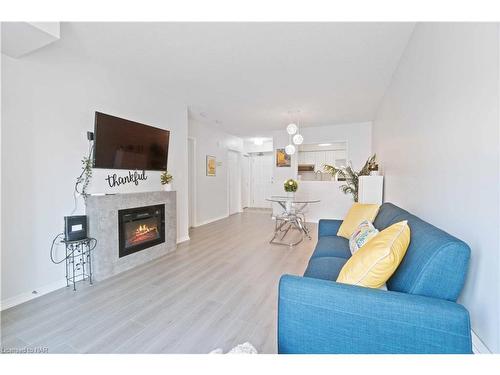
[(261, 179), (234, 182), (245, 181)]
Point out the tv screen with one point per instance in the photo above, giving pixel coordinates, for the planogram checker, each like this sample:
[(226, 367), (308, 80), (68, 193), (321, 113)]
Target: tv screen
[(125, 144)]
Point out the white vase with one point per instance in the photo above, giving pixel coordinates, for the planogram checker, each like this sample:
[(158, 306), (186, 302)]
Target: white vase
[(167, 187)]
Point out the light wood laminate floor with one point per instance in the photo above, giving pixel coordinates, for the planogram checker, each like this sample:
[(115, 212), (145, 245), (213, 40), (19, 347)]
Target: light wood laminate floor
[(217, 290)]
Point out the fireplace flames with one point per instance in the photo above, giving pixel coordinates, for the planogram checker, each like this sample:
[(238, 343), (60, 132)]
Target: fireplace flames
[(143, 233), (143, 229)]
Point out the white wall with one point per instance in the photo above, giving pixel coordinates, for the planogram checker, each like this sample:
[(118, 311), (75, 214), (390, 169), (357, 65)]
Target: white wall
[(334, 204), (48, 104), (437, 137), (249, 146), (211, 192)]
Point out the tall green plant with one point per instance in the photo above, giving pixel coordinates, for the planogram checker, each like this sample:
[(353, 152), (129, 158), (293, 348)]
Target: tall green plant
[(351, 176)]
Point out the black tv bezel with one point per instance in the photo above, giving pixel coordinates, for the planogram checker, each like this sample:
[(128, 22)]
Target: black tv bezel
[(138, 123)]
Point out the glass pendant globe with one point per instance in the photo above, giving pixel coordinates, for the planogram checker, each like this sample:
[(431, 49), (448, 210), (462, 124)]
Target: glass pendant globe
[(291, 129), (298, 139), (290, 149)]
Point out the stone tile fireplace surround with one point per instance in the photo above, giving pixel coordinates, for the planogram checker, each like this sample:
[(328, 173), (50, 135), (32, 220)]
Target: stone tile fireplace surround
[(102, 212)]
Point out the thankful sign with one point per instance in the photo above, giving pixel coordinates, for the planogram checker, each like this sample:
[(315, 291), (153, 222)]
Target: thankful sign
[(133, 177)]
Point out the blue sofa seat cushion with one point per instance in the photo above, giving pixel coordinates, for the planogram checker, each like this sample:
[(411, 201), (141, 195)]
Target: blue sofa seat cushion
[(325, 268), (332, 246)]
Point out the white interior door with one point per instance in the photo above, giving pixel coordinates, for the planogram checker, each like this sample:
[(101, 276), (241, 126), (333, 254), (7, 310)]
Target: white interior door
[(245, 181), (234, 182), (261, 179)]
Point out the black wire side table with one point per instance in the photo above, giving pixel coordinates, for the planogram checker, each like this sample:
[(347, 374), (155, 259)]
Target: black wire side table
[(79, 260)]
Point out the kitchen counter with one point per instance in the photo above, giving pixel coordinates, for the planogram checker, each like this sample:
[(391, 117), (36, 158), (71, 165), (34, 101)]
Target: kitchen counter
[(334, 203)]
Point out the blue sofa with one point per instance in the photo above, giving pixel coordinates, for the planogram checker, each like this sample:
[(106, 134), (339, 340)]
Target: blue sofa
[(417, 314)]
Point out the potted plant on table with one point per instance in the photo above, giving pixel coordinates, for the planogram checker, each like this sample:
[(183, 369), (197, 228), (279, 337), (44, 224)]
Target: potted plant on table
[(166, 179), (374, 169), (291, 186)]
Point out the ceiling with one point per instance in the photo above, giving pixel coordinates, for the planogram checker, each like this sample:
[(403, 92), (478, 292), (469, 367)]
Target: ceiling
[(247, 77)]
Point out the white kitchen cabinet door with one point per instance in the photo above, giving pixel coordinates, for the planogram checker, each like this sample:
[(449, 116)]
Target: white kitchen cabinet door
[(320, 160), (310, 158), (330, 157)]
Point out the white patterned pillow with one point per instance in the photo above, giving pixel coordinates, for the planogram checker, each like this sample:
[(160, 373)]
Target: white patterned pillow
[(363, 233)]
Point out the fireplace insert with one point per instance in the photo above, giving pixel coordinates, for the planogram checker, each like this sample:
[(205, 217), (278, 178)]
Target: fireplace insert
[(140, 228)]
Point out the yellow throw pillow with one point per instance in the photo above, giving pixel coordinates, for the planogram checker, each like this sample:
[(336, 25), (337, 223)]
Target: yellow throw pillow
[(358, 213), (375, 262)]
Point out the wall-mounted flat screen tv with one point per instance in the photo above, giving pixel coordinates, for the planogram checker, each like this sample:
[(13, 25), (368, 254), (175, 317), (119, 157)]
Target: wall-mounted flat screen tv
[(125, 144)]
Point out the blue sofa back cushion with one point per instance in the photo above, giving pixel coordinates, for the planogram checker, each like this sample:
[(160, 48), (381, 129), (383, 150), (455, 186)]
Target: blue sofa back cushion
[(435, 264), (332, 246), (325, 268)]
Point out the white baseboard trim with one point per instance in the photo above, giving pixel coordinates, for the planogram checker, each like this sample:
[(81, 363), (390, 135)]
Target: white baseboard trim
[(478, 346), (316, 220), (211, 220), (25, 297), (183, 239), (312, 221)]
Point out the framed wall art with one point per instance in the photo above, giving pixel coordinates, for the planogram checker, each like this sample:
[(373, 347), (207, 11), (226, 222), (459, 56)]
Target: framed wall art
[(211, 165), (282, 158)]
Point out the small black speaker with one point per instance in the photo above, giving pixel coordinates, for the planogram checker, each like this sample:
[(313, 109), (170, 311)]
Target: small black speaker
[(75, 227)]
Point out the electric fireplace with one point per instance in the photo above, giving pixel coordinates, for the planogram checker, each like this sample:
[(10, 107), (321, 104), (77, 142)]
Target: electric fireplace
[(140, 228)]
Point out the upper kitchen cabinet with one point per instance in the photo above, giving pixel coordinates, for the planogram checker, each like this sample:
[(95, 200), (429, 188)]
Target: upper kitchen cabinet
[(312, 158)]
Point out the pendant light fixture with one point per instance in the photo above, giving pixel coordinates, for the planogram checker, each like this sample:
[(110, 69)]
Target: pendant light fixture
[(298, 139), (292, 128), (290, 149), (294, 137)]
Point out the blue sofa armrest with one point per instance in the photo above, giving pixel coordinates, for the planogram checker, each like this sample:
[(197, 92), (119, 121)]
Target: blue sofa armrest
[(321, 316), (327, 227)]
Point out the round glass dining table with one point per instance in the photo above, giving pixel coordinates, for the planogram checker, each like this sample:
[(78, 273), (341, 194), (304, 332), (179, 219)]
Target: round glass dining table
[(292, 217)]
